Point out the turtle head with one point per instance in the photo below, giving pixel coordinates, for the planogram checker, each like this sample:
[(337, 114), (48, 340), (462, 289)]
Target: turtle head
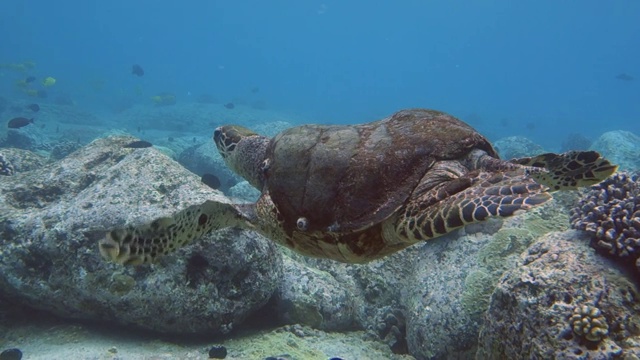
[(243, 151)]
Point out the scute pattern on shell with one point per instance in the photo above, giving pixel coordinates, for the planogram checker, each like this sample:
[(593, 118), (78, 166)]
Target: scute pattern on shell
[(610, 212), (346, 178)]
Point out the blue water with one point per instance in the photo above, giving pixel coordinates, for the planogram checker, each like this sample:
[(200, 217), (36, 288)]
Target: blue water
[(542, 69)]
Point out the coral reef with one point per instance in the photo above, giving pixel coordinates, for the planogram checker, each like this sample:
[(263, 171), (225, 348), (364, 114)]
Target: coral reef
[(6, 168), (532, 313), (610, 213), (587, 321)]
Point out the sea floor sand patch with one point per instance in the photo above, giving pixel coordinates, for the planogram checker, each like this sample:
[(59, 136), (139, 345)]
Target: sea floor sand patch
[(47, 337)]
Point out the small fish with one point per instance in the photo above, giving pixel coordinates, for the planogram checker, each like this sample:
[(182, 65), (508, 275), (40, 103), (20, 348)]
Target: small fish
[(255, 90), (48, 81), (33, 107), (137, 70), (19, 122), (30, 79), (171, 139), (229, 105), (138, 144), (625, 77), (211, 181)]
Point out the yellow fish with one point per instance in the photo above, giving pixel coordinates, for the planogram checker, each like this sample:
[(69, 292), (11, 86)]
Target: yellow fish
[(48, 81), (22, 83), (164, 99), (31, 92)]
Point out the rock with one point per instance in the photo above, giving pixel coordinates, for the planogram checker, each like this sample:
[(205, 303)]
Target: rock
[(11, 354), (516, 147), (23, 160), (620, 147), (51, 219), (29, 137), (535, 309), (575, 141), (205, 158), (453, 277), (6, 167), (244, 192), (314, 298), (217, 352), (62, 148)]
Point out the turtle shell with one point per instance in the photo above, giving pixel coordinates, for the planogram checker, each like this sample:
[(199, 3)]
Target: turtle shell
[(346, 178)]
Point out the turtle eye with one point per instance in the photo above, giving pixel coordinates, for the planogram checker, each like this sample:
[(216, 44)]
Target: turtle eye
[(265, 166), (302, 224)]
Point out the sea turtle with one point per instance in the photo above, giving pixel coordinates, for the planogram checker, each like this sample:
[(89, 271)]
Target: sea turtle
[(354, 193)]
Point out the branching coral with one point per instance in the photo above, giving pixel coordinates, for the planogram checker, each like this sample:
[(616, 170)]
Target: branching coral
[(610, 212)]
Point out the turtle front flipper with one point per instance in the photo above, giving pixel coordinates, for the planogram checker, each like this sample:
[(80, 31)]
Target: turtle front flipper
[(136, 245), (569, 170), (469, 199)]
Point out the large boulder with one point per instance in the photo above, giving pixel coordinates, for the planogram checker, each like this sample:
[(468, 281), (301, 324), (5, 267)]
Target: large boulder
[(205, 158), (620, 147), (516, 147), (563, 302), (452, 278), (51, 219), (313, 297)]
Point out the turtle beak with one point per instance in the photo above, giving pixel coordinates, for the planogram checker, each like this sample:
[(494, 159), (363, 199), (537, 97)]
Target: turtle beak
[(217, 133), (217, 137)]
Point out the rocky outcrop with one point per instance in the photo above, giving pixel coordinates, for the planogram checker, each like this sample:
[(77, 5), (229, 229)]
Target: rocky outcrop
[(51, 219), (22, 160), (563, 302), (315, 298), (620, 147), (429, 300), (205, 158)]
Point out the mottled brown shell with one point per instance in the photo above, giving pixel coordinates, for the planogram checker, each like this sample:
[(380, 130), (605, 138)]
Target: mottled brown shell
[(346, 178)]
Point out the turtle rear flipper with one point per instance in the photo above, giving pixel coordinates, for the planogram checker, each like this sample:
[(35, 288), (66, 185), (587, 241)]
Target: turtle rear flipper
[(465, 201), (136, 245), (569, 170)]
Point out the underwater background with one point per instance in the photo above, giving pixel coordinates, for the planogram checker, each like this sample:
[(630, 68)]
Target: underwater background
[(539, 69), (531, 76)]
